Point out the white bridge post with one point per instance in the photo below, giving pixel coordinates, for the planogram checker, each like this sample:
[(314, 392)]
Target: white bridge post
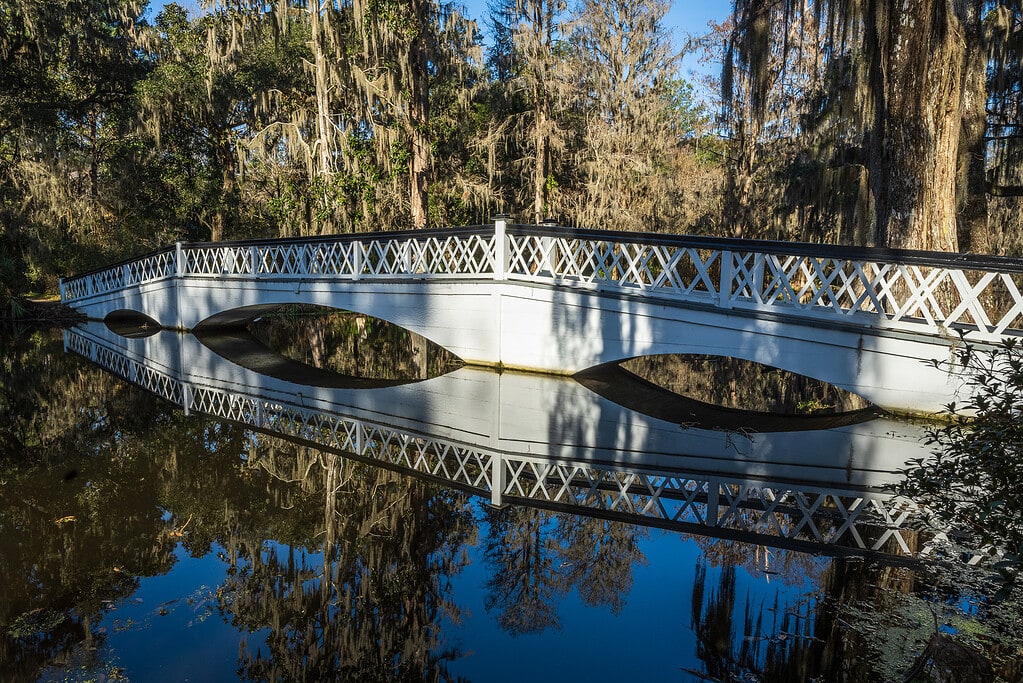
[(179, 276), (501, 249), (356, 260), (498, 480), (179, 259), (725, 288)]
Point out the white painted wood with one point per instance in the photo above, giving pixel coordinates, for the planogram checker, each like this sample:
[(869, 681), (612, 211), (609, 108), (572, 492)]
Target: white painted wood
[(550, 300), (482, 429)]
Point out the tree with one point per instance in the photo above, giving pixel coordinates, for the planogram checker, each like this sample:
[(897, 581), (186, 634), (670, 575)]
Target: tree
[(638, 117), (531, 35), (69, 70), (889, 110), (406, 44)]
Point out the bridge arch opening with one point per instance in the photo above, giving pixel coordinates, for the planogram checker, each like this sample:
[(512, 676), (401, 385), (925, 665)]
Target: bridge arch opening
[(325, 346), (722, 392), (131, 324)]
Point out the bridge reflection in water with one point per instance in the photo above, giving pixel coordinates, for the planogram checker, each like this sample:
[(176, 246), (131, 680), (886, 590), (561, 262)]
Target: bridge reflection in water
[(528, 439)]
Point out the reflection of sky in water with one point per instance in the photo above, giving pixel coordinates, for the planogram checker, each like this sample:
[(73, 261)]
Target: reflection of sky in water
[(171, 628), (649, 640)]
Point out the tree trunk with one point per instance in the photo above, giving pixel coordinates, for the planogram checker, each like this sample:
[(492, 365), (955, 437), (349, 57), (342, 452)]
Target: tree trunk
[(914, 155), (540, 162), (419, 118), (227, 203), (971, 196), (323, 161), (322, 146), (739, 209)]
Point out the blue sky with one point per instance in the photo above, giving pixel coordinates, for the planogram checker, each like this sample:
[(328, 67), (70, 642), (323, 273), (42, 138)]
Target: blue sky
[(686, 17)]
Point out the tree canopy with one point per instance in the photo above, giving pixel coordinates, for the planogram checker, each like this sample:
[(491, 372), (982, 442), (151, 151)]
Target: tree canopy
[(123, 129)]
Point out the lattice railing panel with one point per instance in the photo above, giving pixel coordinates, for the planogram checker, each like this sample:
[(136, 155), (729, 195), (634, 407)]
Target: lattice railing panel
[(918, 294), (147, 269), (928, 298), (463, 255)]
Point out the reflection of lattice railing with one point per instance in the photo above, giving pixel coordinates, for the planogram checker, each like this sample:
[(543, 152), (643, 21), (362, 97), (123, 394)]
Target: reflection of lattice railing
[(922, 292), (761, 512), (136, 372), (860, 520)]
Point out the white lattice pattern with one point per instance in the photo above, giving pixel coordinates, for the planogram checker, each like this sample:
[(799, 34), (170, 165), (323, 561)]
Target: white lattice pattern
[(760, 512), (930, 293), (462, 255), (924, 298), (149, 268)]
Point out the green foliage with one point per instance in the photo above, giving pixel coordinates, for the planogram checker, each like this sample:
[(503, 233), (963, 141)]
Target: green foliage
[(972, 481), (120, 135), (684, 115)]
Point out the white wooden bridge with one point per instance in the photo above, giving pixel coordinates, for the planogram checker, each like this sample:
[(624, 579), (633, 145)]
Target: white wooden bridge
[(560, 300), (547, 441)]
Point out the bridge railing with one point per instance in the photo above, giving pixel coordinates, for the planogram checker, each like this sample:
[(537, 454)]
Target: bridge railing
[(929, 292), (152, 267), (934, 293), (455, 252)]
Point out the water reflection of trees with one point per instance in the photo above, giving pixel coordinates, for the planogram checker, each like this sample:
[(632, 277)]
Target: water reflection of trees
[(352, 344), (362, 598), (536, 557), (864, 622), (76, 514), (343, 570), (743, 385), (346, 567)]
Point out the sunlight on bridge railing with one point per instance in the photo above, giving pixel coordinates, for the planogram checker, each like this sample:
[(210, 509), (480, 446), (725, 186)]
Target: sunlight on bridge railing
[(931, 293)]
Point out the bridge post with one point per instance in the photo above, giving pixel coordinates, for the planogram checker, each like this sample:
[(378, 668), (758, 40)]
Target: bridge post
[(356, 260), (501, 250), (498, 480), (547, 246), (179, 275), (179, 260), (725, 288)]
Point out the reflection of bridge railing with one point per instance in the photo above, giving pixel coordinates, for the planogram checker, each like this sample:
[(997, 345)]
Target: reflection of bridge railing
[(924, 292), (807, 517)]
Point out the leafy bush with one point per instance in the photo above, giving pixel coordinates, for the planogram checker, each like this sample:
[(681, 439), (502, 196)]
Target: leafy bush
[(973, 481)]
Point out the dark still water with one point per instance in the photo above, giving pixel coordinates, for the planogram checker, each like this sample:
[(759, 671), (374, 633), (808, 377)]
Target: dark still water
[(175, 509)]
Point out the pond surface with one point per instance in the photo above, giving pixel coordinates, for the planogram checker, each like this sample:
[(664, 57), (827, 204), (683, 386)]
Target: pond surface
[(175, 509)]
